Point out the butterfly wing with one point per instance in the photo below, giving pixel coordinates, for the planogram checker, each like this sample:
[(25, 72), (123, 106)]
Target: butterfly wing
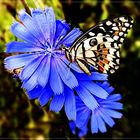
[(100, 45)]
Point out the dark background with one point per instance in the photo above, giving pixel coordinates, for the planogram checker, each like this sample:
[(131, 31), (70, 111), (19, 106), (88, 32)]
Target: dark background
[(21, 118)]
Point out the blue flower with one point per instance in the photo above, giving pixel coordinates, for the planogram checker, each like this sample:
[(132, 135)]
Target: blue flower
[(104, 113), (45, 73)]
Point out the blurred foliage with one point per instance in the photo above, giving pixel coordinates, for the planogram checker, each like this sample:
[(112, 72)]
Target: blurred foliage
[(21, 118)]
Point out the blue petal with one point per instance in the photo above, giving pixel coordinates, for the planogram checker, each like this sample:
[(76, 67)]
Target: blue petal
[(106, 86), (21, 32), (29, 69), (82, 117), (57, 103), (98, 76), (83, 131), (55, 81), (86, 97), (72, 126), (50, 17), (79, 104), (94, 76), (31, 26), (21, 47), (110, 89), (61, 29), (114, 97), (44, 71), (70, 37), (106, 118), (40, 18), (95, 89), (35, 93), (66, 75), (94, 123), (112, 105), (70, 105), (73, 66), (45, 96), (101, 124), (112, 113), (17, 61), (30, 83)]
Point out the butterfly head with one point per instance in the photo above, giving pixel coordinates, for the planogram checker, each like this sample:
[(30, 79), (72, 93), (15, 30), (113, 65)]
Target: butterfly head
[(67, 52)]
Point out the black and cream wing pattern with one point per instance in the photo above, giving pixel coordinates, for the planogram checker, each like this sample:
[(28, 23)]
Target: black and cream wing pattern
[(99, 47)]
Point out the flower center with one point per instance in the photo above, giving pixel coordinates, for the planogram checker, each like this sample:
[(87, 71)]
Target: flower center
[(50, 50)]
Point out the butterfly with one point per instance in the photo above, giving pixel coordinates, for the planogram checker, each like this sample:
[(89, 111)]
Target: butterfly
[(99, 47)]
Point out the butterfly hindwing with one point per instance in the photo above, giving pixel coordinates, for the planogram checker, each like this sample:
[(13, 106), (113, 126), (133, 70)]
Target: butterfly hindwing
[(99, 46)]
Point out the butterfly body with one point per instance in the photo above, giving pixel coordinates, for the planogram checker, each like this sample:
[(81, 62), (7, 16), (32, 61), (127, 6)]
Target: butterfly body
[(99, 47)]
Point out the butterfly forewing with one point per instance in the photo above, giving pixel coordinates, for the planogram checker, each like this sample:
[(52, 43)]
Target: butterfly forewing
[(99, 46)]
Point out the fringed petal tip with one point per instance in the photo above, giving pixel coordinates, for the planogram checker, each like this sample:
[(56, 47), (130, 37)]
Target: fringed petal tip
[(36, 12), (82, 132), (72, 127), (70, 104), (23, 15), (45, 96), (87, 97), (57, 103)]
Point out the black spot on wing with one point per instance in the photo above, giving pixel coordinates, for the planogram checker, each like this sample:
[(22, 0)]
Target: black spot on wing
[(104, 39), (93, 42)]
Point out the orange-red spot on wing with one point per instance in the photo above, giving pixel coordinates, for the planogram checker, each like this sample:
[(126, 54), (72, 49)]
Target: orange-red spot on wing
[(105, 49), (105, 61), (116, 33), (105, 52), (100, 63), (101, 69)]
